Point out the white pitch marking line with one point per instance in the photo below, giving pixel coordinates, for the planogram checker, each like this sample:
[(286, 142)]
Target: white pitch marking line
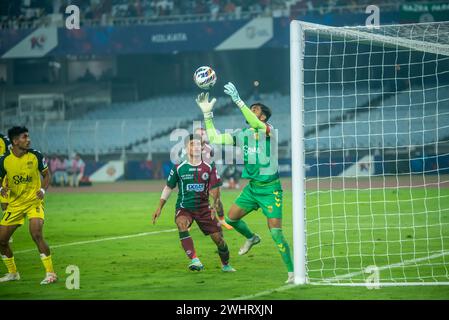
[(394, 265), (101, 240), (263, 293), (349, 275)]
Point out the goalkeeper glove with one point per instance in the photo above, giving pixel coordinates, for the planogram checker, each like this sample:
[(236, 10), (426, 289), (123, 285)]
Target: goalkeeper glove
[(205, 105), (232, 91)]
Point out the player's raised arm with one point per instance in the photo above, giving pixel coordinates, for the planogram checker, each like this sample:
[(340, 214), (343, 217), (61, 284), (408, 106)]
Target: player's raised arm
[(206, 107), (252, 119)]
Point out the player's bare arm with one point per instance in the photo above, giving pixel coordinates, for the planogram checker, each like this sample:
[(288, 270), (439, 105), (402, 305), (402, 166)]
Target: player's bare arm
[(162, 201), (215, 193), (46, 178)]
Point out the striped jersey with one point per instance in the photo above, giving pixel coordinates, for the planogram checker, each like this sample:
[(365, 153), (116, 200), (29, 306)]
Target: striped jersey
[(193, 184)]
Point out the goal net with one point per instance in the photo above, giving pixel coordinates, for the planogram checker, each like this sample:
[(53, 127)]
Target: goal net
[(370, 154)]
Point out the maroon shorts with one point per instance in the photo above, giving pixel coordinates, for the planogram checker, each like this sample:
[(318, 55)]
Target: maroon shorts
[(202, 218)]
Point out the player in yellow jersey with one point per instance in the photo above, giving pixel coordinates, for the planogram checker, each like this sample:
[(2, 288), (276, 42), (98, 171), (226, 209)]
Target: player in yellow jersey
[(4, 146), (22, 168)]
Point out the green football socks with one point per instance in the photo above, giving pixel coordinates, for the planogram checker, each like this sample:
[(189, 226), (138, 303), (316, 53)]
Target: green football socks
[(241, 227), (283, 247)]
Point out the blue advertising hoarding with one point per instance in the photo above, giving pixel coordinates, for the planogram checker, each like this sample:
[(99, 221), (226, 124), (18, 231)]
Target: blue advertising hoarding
[(165, 38)]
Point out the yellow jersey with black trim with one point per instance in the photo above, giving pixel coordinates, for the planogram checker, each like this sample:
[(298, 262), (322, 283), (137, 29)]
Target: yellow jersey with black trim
[(23, 177), (4, 144)]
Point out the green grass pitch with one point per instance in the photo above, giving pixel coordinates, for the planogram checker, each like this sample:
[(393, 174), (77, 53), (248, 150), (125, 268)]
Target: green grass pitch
[(154, 266)]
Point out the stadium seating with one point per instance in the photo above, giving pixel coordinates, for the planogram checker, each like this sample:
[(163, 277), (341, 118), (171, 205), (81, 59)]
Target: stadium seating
[(332, 121), (407, 119), (111, 128)]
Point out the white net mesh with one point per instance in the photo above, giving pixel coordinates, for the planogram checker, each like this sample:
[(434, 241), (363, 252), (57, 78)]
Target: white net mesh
[(376, 140)]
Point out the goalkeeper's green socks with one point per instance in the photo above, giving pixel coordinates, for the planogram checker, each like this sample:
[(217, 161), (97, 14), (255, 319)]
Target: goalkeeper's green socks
[(283, 247), (241, 227)]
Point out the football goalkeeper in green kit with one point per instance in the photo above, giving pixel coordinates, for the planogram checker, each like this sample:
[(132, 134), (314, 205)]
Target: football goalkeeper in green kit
[(264, 189)]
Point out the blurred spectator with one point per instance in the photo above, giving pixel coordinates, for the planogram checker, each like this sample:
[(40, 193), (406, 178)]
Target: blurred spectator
[(88, 76), (157, 170), (59, 173), (26, 13), (76, 170), (54, 71), (229, 7), (214, 9)]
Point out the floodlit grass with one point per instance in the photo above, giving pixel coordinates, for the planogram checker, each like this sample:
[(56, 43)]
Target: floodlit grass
[(154, 266)]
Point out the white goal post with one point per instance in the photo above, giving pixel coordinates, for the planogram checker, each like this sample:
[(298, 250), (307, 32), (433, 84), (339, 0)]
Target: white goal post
[(370, 154)]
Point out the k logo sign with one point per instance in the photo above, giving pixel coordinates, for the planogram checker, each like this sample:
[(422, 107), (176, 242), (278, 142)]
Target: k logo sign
[(37, 42)]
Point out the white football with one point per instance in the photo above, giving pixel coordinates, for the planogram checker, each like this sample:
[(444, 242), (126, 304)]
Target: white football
[(205, 77)]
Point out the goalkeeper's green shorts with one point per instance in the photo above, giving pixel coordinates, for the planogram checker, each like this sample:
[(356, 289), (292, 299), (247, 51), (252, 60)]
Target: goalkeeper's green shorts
[(268, 197)]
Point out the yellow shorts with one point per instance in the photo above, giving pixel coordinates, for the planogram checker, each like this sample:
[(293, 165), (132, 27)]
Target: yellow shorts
[(16, 216)]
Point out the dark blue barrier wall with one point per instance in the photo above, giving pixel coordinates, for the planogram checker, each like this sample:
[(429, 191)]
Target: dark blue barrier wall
[(138, 170), (92, 166), (172, 37), (326, 167), (437, 164), (321, 167)]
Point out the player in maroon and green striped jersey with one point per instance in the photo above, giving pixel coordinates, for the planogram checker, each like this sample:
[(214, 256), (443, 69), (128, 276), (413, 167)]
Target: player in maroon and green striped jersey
[(207, 152), (195, 179)]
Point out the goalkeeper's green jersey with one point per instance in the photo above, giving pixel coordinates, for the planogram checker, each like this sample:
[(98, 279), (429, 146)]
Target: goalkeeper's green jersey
[(260, 162)]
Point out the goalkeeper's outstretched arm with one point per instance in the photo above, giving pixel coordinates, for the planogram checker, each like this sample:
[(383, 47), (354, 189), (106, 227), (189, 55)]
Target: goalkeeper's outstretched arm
[(203, 102), (250, 117)]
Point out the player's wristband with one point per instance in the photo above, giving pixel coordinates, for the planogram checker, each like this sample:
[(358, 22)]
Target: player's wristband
[(43, 190), (208, 115), (240, 103)]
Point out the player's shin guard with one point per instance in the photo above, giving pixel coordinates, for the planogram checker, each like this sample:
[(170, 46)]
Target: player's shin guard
[(283, 247), (187, 244), (48, 263), (241, 227), (223, 252), (10, 264)]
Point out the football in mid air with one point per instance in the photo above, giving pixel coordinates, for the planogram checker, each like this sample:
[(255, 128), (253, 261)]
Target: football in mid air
[(205, 77)]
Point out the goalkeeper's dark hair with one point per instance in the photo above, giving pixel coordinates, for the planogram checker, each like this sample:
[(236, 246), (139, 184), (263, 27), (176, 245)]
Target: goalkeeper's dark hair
[(265, 110), (15, 132), (190, 137)]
